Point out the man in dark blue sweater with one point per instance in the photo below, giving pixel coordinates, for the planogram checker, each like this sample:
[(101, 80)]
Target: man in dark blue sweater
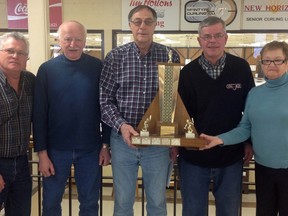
[(213, 88), (67, 123)]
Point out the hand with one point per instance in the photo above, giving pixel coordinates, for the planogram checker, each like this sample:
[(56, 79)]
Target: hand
[(104, 157), (248, 153), (45, 165), (174, 152), (2, 183), (127, 131), (211, 141)]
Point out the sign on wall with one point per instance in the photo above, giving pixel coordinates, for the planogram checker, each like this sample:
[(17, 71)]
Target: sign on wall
[(167, 13), (194, 11), (18, 14), (265, 14)]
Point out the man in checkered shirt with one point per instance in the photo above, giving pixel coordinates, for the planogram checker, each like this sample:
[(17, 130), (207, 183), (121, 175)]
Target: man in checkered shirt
[(16, 97), (129, 83)]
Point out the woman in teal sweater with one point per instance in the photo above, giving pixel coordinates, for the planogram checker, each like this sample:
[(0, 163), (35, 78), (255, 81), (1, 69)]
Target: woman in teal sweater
[(265, 119)]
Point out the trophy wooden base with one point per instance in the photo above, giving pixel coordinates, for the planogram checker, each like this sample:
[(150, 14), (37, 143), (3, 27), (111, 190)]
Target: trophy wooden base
[(177, 141)]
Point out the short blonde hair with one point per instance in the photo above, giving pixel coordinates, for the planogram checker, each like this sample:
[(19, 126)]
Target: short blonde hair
[(282, 45)]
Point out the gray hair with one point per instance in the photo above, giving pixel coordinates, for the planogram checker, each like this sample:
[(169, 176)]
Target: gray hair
[(209, 21), (141, 7), (17, 36)]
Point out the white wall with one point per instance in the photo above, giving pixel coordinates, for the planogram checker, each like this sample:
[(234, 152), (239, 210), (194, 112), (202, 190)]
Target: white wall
[(94, 14)]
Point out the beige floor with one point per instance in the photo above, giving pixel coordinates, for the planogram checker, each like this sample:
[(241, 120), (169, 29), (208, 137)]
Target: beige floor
[(248, 203)]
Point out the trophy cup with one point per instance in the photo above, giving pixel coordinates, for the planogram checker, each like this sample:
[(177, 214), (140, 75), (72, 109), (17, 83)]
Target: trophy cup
[(167, 118)]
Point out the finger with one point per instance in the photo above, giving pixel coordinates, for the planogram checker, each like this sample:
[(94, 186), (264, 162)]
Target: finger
[(202, 135), (204, 148), (103, 162), (100, 162), (135, 133), (106, 163), (128, 142), (132, 146), (52, 170), (46, 174)]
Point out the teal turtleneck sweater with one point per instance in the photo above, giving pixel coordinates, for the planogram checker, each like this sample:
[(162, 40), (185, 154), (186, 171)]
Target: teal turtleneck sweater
[(265, 119)]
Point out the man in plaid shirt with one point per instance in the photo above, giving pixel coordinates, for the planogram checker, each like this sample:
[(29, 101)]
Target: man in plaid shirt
[(16, 96), (129, 83)]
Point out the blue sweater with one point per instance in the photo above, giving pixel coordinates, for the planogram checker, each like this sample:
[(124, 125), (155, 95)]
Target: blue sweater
[(66, 112), (266, 119)]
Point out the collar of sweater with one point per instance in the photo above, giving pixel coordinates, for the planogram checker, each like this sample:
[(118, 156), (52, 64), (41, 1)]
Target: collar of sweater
[(277, 82)]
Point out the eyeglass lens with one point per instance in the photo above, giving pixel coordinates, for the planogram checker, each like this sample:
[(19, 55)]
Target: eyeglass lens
[(139, 22), (276, 62)]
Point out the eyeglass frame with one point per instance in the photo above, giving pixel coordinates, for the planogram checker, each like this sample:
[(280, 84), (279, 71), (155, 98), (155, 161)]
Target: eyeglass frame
[(70, 39), (147, 22), (12, 52), (217, 36), (269, 62)]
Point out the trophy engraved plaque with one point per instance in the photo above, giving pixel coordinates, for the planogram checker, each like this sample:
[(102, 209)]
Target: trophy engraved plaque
[(167, 122)]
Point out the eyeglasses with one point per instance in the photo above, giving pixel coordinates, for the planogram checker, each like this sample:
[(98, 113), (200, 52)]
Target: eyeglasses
[(70, 39), (12, 52), (139, 22), (208, 37), (276, 61)]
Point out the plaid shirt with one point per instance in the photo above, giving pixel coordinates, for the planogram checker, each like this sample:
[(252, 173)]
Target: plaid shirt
[(129, 83), (213, 71), (15, 115)]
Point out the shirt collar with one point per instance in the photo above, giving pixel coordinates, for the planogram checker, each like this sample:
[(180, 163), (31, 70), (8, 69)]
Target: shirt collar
[(136, 49), (3, 78), (204, 62)]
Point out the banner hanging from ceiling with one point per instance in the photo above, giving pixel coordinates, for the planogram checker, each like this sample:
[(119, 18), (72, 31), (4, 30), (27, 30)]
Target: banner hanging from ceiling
[(167, 13), (265, 14), (18, 14), (194, 11)]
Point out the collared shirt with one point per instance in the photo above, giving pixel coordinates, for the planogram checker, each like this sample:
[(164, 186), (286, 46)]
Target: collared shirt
[(15, 115), (129, 82), (213, 71)]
